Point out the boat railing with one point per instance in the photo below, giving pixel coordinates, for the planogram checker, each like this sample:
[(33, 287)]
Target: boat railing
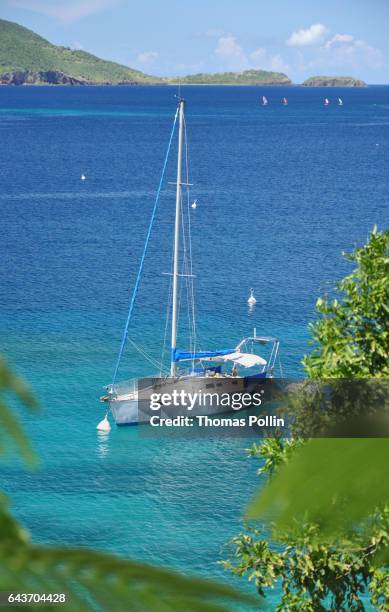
[(123, 387), (131, 386)]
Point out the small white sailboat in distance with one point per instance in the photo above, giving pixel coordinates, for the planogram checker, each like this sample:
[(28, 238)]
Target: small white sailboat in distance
[(285, 101), (326, 102), (83, 177), (265, 101), (340, 102), (251, 301), (194, 205)]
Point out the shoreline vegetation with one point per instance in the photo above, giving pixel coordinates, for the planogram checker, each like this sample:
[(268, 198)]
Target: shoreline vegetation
[(28, 59)]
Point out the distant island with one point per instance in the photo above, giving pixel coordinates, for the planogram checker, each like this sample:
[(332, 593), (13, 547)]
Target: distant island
[(28, 59), (329, 81), (247, 77)]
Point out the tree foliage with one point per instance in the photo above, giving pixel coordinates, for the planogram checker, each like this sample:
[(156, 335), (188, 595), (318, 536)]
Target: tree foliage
[(10, 429), (91, 580), (326, 544), (314, 575), (351, 335)]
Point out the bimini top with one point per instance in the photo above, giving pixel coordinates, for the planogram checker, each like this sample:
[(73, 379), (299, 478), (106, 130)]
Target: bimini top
[(247, 360), (187, 355)]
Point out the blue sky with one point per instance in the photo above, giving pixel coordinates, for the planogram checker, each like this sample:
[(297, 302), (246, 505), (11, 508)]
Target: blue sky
[(172, 37)]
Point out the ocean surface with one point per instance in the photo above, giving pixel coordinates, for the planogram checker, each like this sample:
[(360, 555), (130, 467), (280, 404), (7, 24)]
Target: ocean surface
[(281, 192)]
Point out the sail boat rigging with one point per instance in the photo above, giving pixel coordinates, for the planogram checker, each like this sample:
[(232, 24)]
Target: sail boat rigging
[(125, 398)]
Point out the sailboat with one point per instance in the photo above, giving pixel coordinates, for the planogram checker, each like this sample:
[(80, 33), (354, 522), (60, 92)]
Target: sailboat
[(340, 102), (265, 101), (224, 370), (285, 101), (326, 102)]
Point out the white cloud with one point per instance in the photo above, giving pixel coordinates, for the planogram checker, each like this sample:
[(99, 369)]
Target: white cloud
[(259, 55), (66, 11), (344, 49), (339, 38), (311, 36), (340, 53), (260, 58), (231, 53), (227, 46), (277, 64), (147, 57), (77, 46), (233, 57)]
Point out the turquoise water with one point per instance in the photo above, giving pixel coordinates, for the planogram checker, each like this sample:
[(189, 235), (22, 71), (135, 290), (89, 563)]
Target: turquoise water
[(281, 192)]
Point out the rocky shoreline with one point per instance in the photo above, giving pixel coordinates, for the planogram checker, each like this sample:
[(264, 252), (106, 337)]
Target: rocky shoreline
[(43, 77), (49, 77), (56, 77)]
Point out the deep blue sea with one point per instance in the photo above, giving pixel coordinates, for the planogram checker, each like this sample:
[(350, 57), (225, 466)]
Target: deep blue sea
[(281, 192)]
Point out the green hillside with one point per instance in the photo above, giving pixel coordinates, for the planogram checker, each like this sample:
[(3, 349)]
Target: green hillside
[(27, 58), (23, 50), (247, 77)]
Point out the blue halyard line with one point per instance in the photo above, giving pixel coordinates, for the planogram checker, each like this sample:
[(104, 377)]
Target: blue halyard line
[(144, 251)]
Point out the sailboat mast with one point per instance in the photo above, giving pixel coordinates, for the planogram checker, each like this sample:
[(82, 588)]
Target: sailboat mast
[(177, 238)]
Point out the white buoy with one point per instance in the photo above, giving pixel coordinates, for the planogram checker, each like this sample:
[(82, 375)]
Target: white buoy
[(194, 205), (251, 299), (83, 177), (104, 425)]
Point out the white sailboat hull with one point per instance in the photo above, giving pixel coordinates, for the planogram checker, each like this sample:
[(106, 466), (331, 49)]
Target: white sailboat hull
[(133, 408)]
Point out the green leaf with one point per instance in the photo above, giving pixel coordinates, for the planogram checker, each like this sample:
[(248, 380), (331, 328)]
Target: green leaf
[(327, 481), (109, 581), (10, 429)]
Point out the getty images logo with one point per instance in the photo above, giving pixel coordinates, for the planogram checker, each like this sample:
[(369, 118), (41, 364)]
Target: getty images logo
[(185, 399)]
